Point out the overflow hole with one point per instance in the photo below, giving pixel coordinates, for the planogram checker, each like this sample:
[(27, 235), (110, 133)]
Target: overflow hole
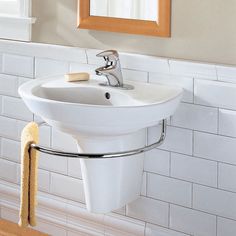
[(107, 95)]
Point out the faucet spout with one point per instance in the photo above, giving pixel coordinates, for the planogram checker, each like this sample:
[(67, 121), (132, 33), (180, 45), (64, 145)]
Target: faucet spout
[(113, 75)]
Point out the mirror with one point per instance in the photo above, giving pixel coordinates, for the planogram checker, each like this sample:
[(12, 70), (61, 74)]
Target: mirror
[(147, 17), (127, 9)]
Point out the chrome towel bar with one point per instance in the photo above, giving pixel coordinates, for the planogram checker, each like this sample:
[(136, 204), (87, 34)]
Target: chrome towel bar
[(103, 155)]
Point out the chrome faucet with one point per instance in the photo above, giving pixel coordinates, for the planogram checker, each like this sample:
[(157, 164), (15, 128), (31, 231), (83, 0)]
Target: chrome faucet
[(112, 70)]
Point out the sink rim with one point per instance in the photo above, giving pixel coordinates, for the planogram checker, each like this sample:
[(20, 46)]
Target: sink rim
[(93, 83)]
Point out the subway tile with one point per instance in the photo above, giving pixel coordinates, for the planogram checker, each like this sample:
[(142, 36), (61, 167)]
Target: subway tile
[(227, 122), (8, 171), (215, 147), (43, 180), (157, 161), (53, 163), (16, 108), (192, 222), (59, 52), (154, 230), (175, 80), (67, 187), (44, 50), (177, 139), (48, 67), (193, 69), (196, 117), (80, 67), (74, 168), (11, 128), (221, 94), (169, 189), (8, 85), (194, 169), (149, 210), (227, 177), (226, 227), (45, 135), (10, 150), (144, 63), (18, 65), (134, 75), (63, 141), (214, 201), (226, 73), (21, 125)]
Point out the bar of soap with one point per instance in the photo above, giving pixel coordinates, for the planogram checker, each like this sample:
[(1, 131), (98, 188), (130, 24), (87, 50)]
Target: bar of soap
[(72, 77)]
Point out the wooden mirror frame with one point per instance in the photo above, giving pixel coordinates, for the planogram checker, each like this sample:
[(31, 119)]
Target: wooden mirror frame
[(161, 27)]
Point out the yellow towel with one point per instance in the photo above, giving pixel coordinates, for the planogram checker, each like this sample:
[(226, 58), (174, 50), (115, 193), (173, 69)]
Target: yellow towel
[(29, 175)]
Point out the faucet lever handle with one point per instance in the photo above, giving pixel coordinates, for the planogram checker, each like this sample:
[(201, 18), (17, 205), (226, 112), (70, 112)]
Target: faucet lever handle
[(109, 55)]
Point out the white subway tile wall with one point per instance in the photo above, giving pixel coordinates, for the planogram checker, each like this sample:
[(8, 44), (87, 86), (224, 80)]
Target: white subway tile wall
[(189, 183)]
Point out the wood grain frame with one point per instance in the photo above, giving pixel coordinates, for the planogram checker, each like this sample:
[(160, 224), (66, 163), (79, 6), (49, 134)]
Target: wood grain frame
[(161, 27)]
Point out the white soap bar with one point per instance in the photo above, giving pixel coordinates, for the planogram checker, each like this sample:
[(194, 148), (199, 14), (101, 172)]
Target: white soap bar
[(72, 77)]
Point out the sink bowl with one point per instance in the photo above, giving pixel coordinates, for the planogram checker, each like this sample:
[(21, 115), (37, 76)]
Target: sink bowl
[(95, 110), (104, 119)]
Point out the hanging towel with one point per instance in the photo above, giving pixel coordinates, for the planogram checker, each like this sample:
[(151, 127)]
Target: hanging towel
[(29, 175)]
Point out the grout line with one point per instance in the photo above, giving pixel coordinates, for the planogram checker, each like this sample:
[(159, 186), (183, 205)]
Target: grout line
[(218, 121), (170, 162), (169, 215), (192, 197), (193, 143), (34, 67), (217, 177), (50, 181), (147, 176), (194, 97), (86, 56), (145, 229), (216, 73)]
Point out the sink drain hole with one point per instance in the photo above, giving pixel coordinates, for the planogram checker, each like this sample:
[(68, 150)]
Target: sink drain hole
[(107, 95)]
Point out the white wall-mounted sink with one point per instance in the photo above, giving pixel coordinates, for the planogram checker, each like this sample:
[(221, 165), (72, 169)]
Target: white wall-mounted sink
[(88, 111), (103, 119)]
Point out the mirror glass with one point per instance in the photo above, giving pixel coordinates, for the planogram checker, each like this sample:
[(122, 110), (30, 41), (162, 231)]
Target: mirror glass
[(127, 9)]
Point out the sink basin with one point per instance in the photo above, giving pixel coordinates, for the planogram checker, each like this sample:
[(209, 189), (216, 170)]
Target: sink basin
[(95, 110), (104, 119)]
